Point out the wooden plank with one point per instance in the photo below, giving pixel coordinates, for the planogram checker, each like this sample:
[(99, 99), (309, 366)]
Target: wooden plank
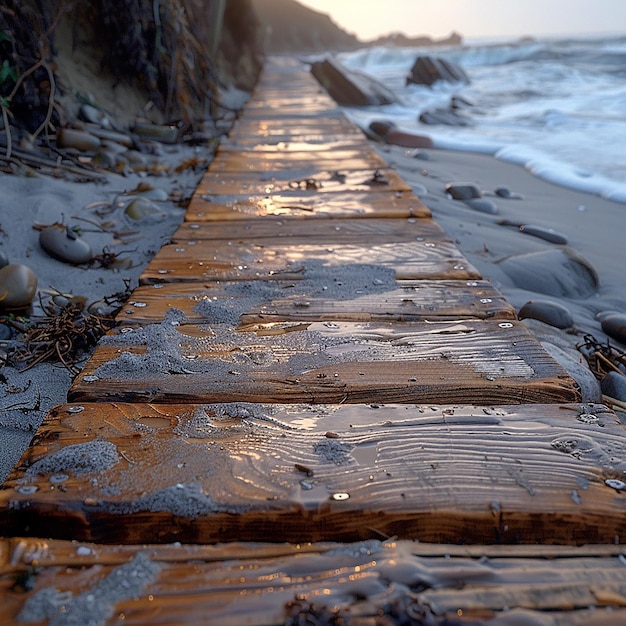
[(252, 260), (340, 142), (470, 361), (118, 473), (334, 123), (349, 230), (303, 205), (264, 584), (280, 301), (311, 178), (308, 162)]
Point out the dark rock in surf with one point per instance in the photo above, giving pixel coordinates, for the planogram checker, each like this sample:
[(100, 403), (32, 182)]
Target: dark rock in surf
[(349, 87), (427, 70), (380, 128), (443, 117), (550, 313)]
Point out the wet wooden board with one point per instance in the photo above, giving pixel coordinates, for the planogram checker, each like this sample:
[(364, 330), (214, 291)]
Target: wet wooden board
[(304, 107), (341, 142), (303, 205), (297, 164), (272, 230), (441, 362), (409, 301), (312, 178), (250, 260), (356, 581), (457, 474), (331, 124)]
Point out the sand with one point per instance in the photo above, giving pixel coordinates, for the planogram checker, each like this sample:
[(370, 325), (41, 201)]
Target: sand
[(35, 197), (542, 271)]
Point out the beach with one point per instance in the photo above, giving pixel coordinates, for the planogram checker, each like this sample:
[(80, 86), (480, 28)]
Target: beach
[(590, 223), (95, 207), (572, 269)]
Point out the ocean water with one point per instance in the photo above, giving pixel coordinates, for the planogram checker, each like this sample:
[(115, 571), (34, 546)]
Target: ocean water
[(555, 106)]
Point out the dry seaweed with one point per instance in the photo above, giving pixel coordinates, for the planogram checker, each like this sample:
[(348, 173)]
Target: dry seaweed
[(602, 358), (65, 334)]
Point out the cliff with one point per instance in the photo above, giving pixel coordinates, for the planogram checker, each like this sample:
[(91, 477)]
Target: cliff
[(168, 59), (291, 27)]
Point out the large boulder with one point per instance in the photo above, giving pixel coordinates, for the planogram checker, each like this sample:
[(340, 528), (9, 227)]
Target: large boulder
[(428, 70), (349, 87)]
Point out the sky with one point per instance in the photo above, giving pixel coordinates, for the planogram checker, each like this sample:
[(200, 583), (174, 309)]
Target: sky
[(474, 18)]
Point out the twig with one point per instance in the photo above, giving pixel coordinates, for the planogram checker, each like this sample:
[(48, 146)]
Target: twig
[(48, 117), (608, 400), (5, 119)]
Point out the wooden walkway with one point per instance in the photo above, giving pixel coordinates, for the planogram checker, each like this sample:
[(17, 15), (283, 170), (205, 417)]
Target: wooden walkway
[(315, 408)]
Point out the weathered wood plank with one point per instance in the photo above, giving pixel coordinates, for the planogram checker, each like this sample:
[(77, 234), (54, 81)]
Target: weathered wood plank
[(303, 164), (309, 178), (340, 142), (474, 361), (334, 123), (243, 472), (278, 301), (263, 584), (205, 207), (345, 231), (260, 260)]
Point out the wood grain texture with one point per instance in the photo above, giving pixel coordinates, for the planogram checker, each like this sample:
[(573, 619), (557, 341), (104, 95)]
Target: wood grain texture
[(409, 301), (330, 124), (280, 260), (301, 205), (319, 179), (469, 361), (350, 230), (349, 141), (246, 472), (261, 584), (302, 164)]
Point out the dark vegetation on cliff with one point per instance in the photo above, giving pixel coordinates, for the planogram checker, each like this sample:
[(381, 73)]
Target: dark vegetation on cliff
[(167, 59)]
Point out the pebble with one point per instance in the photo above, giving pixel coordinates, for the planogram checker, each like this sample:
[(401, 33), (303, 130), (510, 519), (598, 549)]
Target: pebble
[(5, 332), (4, 259), (614, 386), (547, 234), (550, 313), (557, 272), (381, 127), (18, 285), (505, 192), (64, 244), (463, 191), (79, 139), (614, 325), (143, 209), (483, 205), (166, 133), (94, 115)]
